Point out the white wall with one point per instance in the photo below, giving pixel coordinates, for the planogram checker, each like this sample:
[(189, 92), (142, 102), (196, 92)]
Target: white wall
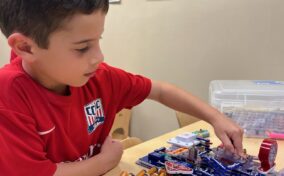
[(189, 43), (4, 50)]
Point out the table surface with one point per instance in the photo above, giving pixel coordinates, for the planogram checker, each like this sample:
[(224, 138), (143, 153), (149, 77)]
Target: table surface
[(131, 155)]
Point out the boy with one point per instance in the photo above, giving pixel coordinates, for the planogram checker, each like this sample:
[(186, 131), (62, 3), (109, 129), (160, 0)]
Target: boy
[(58, 98)]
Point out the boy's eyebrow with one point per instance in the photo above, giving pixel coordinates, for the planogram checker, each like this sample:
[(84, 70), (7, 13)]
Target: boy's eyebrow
[(83, 41), (86, 40)]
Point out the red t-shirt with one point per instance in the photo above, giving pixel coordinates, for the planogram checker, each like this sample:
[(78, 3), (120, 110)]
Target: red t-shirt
[(39, 128)]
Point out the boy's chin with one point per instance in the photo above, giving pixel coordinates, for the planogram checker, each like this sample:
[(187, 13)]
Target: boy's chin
[(79, 84)]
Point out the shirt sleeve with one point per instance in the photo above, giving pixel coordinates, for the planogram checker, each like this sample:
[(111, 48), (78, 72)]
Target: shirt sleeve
[(22, 150), (129, 89)]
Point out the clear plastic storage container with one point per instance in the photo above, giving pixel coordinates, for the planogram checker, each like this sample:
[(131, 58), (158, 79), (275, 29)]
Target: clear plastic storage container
[(256, 105)]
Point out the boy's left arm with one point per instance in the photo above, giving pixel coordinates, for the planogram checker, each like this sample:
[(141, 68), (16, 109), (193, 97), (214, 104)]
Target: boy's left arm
[(226, 130)]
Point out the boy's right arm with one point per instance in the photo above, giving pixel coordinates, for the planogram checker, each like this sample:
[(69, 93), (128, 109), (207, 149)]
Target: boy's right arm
[(107, 159)]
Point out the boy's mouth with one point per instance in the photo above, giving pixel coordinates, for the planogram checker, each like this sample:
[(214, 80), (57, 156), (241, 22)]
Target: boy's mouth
[(91, 74)]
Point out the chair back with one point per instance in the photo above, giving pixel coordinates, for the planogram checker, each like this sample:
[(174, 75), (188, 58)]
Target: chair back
[(185, 119)]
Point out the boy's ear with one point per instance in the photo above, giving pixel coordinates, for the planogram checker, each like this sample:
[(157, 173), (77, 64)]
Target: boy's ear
[(22, 46)]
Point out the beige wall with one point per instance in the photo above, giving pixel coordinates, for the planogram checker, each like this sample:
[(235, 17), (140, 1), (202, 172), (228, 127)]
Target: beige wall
[(4, 50), (189, 43)]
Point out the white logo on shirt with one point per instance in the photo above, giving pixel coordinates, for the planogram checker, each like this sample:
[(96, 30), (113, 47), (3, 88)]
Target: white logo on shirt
[(94, 114)]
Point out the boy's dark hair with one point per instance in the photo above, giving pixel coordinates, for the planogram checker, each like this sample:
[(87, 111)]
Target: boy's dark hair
[(37, 19)]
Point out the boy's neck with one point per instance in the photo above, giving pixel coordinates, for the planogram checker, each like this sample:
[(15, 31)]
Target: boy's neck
[(43, 80)]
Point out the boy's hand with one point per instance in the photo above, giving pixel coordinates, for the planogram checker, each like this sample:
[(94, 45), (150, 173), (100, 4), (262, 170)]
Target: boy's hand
[(107, 159), (111, 151), (229, 133)]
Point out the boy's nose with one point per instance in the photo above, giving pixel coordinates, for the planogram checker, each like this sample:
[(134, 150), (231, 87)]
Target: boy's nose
[(97, 58)]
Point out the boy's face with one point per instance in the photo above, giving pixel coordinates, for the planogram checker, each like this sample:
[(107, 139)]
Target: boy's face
[(73, 54)]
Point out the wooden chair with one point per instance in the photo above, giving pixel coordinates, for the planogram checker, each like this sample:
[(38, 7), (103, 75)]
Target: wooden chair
[(130, 141), (185, 119), (120, 129)]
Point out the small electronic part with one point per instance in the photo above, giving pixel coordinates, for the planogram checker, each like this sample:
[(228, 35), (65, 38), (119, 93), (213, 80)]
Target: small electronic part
[(153, 159), (178, 167), (124, 173), (151, 172), (141, 173), (193, 154), (202, 133), (178, 152), (267, 155), (184, 140)]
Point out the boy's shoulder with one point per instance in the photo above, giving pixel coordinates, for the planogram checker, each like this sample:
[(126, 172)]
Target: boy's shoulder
[(104, 67), (111, 71), (10, 73), (13, 79), (107, 72)]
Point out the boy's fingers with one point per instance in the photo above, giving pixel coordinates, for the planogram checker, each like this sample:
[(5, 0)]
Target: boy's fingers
[(227, 143), (238, 143)]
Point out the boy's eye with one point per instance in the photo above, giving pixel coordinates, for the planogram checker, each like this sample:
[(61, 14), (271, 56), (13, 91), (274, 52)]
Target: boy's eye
[(83, 50)]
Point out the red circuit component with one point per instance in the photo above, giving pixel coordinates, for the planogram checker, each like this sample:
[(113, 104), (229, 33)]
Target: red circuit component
[(267, 154)]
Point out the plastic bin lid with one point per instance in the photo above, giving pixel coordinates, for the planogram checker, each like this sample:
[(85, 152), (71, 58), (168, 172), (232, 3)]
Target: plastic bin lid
[(247, 87), (254, 91)]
